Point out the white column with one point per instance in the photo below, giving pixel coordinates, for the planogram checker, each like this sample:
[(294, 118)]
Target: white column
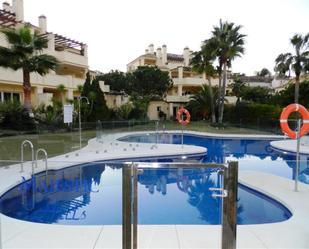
[(170, 108), (180, 72), (39, 92), (51, 42), (179, 90), (70, 95)]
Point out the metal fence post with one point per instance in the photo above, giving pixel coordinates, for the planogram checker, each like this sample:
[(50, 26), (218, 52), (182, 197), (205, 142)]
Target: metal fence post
[(126, 207), (135, 203), (229, 209)]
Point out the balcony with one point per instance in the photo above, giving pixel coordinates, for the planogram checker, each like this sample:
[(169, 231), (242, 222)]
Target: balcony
[(50, 80), (178, 99)]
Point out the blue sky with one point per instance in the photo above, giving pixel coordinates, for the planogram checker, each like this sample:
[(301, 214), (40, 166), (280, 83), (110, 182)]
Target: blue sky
[(117, 31)]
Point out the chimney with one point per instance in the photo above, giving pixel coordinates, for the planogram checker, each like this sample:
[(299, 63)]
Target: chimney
[(151, 49), (43, 24), (18, 9), (6, 6), (164, 55), (85, 50), (159, 56), (186, 56)]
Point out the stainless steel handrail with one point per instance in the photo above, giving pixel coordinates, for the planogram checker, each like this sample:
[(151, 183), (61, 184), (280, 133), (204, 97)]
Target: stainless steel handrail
[(23, 144), (36, 160)]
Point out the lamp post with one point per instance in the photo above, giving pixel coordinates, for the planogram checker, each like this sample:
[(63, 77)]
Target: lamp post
[(80, 119)]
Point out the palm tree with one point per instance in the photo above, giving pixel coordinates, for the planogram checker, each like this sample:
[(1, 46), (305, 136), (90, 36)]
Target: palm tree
[(25, 52), (230, 44), (201, 62), (298, 62), (199, 103)]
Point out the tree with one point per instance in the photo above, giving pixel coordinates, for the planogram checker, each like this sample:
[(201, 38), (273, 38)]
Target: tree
[(264, 73), (98, 109), (148, 83), (117, 81), (238, 87), (202, 62), (286, 96), (199, 103), (298, 62), (256, 94), (229, 45), (25, 52)]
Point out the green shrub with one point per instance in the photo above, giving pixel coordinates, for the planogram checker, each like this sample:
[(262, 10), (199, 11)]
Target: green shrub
[(13, 116), (252, 113)]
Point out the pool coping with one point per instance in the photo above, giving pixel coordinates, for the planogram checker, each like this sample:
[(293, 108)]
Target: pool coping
[(292, 233), (290, 145)]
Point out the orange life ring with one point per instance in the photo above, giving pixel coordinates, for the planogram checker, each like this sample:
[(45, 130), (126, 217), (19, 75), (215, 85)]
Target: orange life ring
[(284, 120), (188, 116)]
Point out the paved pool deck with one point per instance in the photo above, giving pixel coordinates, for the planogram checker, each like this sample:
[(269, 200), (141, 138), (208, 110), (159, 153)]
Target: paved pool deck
[(290, 145), (293, 233)]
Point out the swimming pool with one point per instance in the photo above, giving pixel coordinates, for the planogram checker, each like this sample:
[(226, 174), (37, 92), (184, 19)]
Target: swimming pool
[(91, 194), (252, 154)]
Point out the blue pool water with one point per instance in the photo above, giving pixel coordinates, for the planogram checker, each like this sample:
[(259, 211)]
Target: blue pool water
[(91, 194), (252, 154)]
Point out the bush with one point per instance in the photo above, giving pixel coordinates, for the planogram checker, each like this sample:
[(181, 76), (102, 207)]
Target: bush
[(252, 113), (13, 116)]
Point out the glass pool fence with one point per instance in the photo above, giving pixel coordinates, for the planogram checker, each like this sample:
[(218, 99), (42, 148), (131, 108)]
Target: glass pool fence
[(132, 205)]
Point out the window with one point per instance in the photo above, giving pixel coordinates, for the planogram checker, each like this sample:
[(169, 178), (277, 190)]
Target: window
[(158, 108), (7, 96), (16, 97)]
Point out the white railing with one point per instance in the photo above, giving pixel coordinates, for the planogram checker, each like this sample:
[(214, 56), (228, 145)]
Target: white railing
[(176, 98)]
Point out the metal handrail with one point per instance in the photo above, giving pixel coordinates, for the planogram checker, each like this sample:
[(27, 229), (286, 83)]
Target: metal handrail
[(36, 160), (23, 144)]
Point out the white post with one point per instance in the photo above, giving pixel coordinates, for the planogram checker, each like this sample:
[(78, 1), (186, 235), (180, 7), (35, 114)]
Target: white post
[(297, 155), (157, 131), (181, 135), (80, 120)]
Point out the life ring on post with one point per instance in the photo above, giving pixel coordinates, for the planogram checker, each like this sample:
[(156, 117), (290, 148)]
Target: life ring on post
[(284, 120), (179, 118)]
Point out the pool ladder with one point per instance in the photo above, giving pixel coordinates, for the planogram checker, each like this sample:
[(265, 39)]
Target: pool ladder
[(33, 162)]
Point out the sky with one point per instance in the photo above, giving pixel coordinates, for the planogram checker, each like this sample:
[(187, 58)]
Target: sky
[(118, 31)]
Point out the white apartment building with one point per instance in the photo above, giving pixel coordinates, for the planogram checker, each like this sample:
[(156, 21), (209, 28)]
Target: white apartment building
[(73, 57), (185, 80)]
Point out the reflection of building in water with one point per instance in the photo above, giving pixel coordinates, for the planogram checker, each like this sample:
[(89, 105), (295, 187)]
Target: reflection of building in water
[(290, 159), (193, 183)]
